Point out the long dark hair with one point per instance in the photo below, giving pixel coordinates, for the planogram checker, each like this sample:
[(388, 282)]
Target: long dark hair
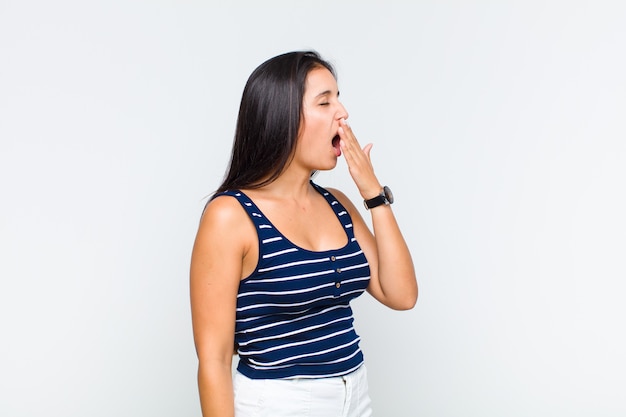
[(269, 119)]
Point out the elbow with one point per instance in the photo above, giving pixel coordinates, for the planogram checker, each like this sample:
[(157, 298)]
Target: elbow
[(410, 299), (407, 302), (402, 295)]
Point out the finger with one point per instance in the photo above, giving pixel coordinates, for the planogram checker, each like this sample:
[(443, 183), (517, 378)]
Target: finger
[(349, 144), (358, 160), (347, 130), (352, 153)]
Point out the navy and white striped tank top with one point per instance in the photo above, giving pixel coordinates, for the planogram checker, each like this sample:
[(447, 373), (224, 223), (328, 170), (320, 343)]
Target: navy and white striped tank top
[(293, 314)]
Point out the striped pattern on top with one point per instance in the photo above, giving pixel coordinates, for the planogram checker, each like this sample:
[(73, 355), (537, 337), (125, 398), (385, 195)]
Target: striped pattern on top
[(293, 314)]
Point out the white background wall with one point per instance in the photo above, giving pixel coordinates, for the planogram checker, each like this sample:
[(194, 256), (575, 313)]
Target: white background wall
[(499, 125)]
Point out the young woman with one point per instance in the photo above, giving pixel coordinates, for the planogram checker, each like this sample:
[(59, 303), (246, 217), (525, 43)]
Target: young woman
[(278, 258)]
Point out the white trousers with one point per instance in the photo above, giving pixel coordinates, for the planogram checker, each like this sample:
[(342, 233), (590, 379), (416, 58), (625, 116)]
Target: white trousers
[(344, 396)]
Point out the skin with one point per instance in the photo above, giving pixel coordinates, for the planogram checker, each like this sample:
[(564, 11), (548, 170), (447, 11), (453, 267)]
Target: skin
[(226, 247)]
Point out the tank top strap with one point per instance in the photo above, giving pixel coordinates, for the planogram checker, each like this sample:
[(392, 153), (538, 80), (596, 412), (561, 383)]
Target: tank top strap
[(264, 227), (266, 230), (340, 211)]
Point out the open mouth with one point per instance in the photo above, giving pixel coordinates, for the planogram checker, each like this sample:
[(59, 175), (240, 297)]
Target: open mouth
[(336, 145)]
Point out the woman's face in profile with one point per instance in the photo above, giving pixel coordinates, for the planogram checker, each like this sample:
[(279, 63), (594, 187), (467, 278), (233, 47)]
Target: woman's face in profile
[(318, 140)]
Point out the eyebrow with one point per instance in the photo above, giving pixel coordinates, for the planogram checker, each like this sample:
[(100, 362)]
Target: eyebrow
[(326, 93)]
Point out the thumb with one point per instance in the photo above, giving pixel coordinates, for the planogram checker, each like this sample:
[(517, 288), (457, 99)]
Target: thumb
[(367, 148)]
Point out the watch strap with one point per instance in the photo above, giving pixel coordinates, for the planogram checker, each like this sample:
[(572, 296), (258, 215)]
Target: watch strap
[(379, 200)]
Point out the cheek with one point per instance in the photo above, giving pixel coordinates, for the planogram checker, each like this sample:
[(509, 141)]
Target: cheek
[(313, 132)]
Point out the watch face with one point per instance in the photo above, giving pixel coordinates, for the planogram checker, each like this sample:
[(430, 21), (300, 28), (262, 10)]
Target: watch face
[(388, 194)]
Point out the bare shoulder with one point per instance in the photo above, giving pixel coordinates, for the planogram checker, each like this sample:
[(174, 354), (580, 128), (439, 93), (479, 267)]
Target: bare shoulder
[(223, 212), (225, 220)]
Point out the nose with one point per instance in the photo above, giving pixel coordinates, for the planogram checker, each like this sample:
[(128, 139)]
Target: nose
[(342, 113)]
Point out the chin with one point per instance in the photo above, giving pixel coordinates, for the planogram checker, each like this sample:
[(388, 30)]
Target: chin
[(325, 164), (330, 166), (325, 168)]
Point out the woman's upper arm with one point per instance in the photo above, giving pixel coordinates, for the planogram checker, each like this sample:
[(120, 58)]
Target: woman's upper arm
[(215, 273)]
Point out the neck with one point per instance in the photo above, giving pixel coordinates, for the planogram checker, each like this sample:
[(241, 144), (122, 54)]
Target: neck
[(290, 184)]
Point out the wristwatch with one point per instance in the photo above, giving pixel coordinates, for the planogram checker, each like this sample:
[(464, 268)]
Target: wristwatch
[(385, 197)]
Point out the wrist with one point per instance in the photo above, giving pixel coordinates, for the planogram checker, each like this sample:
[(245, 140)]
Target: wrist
[(371, 192), (384, 197)]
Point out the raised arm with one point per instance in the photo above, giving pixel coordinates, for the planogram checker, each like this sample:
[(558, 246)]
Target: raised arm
[(392, 280), (216, 268)]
